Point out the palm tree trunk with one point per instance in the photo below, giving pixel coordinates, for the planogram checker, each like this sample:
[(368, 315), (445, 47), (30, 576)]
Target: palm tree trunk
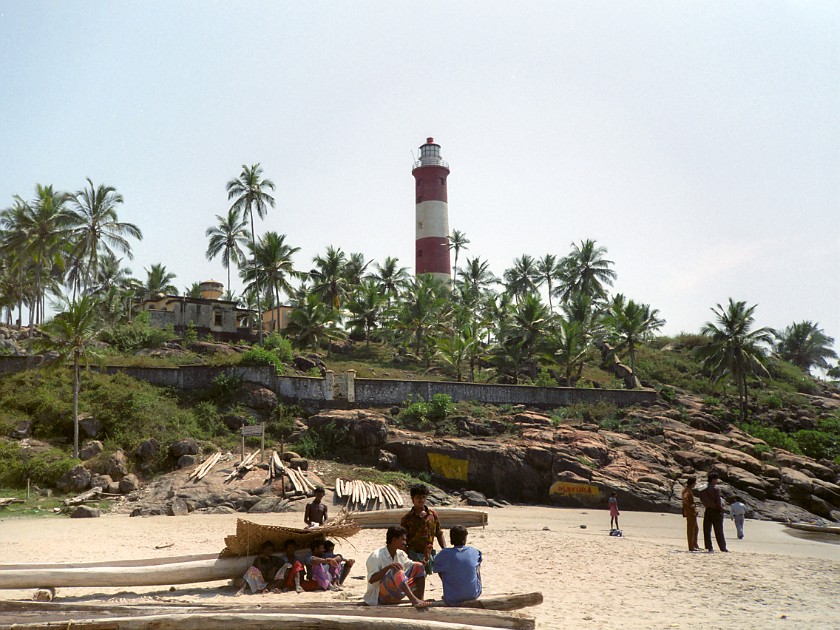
[(256, 277), (76, 405)]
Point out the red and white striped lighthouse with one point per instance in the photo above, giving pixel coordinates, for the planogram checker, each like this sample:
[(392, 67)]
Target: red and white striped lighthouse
[(432, 248)]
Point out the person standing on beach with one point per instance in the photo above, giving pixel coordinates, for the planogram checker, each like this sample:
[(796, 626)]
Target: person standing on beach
[(689, 511), (613, 505), (422, 526), (738, 511), (712, 501), (315, 514)]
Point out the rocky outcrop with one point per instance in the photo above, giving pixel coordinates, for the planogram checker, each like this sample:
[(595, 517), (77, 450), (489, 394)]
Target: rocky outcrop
[(363, 430)]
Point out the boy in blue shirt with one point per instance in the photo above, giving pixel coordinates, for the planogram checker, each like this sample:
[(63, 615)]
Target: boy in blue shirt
[(459, 567)]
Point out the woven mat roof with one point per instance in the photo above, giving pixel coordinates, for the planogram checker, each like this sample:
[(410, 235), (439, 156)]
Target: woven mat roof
[(249, 536)]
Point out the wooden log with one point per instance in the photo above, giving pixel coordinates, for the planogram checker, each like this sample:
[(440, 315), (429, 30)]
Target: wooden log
[(513, 601), (397, 495), (9, 501), (449, 517), (337, 487), (250, 621), (85, 496)]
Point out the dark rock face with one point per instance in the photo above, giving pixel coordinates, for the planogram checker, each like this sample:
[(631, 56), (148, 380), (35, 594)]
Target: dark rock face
[(129, 484), (364, 431), (257, 397), (147, 450), (89, 425), (22, 430), (187, 446), (91, 449), (84, 511), (186, 461), (75, 480), (101, 481)]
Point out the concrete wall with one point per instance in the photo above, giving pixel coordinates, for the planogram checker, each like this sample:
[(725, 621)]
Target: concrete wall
[(366, 392)]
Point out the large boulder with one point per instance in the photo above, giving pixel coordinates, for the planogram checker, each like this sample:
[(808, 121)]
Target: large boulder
[(86, 511), (129, 484), (90, 449), (186, 446), (75, 480), (257, 397), (89, 425), (364, 431), (147, 450)]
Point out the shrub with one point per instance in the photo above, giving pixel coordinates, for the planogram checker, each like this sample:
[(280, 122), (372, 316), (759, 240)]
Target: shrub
[(190, 333), (280, 346), (711, 401), (440, 406), (46, 467), (224, 386), (261, 356), (137, 334), (668, 394), (545, 379), (208, 418), (818, 444), (774, 437)]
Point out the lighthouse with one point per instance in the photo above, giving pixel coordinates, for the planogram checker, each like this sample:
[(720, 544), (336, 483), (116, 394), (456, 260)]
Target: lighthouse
[(432, 213)]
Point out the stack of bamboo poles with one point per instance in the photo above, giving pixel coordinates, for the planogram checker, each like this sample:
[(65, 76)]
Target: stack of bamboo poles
[(242, 467), (205, 467), (301, 484), (364, 495)]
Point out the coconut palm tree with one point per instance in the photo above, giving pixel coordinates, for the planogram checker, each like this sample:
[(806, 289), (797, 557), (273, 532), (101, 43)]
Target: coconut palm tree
[(228, 238), (366, 307), (422, 312), (354, 269), (457, 242), (734, 348), (585, 270), (274, 268), (522, 279), (96, 230), (630, 323), (527, 330), (390, 277), (70, 335), (548, 270), (159, 280), (571, 345), (249, 194), (14, 246), (477, 277), (328, 278), (805, 345), (312, 323)]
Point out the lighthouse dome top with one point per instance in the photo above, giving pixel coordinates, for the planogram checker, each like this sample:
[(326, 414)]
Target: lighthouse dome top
[(430, 155)]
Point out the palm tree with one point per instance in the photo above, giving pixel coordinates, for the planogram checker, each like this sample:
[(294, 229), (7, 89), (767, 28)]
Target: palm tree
[(571, 345), (329, 280), (14, 245), (734, 348), (71, 334), (585, 270), (390, 277), (354, 269), (193, 291), (805, 345), (366, 307), (311, 323), (548, 270), (159, 280), (477, 277), (630, 323), (422, 312), (96, 230), (527, 331), (249, 194), (227, 239), (457, 242), (273, 264), (522, 278)]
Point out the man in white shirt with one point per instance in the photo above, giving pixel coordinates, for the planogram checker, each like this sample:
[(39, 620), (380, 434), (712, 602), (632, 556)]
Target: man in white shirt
[(738, 511), (392, 575)]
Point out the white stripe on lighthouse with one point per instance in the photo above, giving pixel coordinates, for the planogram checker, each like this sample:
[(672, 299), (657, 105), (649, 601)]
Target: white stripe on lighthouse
[(432, 219)]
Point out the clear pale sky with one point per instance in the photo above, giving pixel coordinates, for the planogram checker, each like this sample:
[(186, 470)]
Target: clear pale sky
[(699, 142)]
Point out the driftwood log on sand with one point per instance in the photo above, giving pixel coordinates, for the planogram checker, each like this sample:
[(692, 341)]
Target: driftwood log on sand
[(70, 614), (249, 621), (449, 517)]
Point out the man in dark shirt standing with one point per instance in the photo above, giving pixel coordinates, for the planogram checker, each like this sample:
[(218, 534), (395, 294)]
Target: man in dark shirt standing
[(713, 514)]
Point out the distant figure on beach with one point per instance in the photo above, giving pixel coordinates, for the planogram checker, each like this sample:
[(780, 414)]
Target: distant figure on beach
[(689, 511), (340, 572), (459, 567), (260, 576), (613, 505), (392, 575), (713, 514), (738, 511), (315, 514), (422, 527)]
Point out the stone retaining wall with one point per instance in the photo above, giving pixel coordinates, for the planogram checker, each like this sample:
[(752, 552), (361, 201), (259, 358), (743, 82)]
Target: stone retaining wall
[(363, 392)]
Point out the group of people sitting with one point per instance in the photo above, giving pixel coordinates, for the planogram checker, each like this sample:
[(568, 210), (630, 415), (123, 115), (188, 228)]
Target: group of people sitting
[(395, 572)]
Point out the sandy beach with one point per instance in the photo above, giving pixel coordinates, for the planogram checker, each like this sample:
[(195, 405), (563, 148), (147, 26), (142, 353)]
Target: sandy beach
[(646, 579)]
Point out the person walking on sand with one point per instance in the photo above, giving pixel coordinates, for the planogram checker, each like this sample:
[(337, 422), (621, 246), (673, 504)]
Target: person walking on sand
[(392, 575), (713, 513), (738, 511), (689, 511), (613, 505)]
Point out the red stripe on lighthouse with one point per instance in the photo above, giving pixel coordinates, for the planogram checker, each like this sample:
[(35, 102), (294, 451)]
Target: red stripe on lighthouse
[(431, 183), (432, 255)]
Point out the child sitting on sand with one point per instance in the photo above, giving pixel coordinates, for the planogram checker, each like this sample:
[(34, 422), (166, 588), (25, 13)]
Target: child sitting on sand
[(261, 577), (340, 572), (320, 569)]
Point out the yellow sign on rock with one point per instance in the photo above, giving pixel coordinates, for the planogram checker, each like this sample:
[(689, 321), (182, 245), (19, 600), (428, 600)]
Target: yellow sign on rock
[(571, 489), (448, 467)]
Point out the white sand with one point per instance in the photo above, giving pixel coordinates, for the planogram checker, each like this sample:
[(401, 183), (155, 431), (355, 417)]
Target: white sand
[(647, 579)]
